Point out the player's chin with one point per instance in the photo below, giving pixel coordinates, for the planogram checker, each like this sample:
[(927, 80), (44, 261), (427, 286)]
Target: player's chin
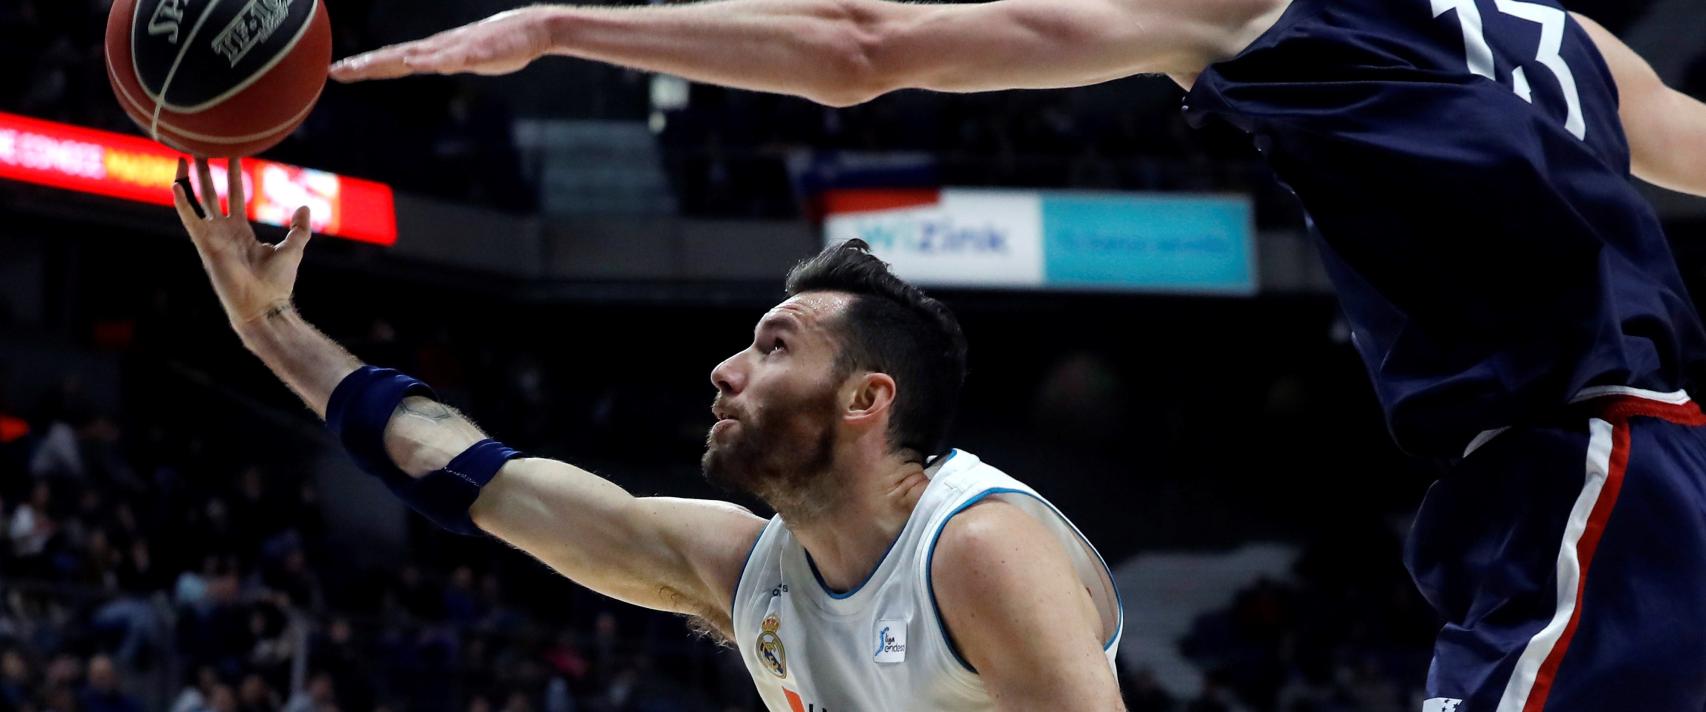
[(723, 433), (716, 445), (715, 467)]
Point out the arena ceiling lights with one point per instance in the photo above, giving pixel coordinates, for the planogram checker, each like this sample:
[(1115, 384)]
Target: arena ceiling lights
[(135, 169)]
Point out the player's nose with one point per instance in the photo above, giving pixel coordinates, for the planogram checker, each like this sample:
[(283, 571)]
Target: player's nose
[(728, 377)]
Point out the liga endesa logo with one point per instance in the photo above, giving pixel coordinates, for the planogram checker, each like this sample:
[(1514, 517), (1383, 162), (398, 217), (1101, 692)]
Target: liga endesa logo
[(891, 641)]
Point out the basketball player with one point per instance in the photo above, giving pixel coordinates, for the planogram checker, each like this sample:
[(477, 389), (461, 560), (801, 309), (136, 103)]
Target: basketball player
[(1465, 165), (897, 575)]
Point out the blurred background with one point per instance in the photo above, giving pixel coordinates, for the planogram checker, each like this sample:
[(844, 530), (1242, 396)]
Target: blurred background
[(574, 248)]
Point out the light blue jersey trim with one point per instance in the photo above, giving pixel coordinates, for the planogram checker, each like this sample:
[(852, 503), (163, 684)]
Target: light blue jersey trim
[(930, 572), (842, 596), (873, 572)]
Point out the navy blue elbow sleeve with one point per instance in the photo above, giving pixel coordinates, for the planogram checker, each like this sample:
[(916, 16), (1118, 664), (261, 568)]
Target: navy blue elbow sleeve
[(357, 414)]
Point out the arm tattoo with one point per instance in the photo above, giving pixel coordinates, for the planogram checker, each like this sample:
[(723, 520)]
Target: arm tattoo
[(702, 622), (428, 410), (276, 311)]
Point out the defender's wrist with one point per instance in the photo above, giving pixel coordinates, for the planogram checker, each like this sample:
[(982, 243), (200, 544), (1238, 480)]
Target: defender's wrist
[(556, 24), (267, 325)]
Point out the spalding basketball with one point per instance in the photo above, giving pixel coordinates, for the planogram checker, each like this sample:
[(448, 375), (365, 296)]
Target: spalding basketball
[(218, 78)]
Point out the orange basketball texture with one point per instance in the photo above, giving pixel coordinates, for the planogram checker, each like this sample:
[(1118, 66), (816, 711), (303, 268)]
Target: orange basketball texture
[(218, 78)]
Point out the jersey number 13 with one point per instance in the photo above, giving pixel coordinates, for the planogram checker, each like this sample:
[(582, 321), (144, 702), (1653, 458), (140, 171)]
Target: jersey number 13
[(1552, 21)]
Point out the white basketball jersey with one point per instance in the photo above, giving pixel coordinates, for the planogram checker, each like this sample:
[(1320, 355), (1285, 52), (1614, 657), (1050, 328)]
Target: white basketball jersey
[(883, 647)]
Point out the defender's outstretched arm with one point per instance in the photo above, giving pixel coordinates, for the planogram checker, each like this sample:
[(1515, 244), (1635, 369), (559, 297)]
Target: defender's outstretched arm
[(1666, 128), (839, 52)]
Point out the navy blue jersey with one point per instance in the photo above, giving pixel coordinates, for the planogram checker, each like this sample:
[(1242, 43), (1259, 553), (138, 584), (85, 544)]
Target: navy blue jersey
[(1467, 180)]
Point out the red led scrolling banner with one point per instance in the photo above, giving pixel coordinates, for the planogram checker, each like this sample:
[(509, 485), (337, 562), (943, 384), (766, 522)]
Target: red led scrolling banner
[(136, 169)]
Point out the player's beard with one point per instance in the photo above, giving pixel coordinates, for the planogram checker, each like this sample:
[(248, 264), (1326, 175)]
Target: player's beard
[(782, 456)]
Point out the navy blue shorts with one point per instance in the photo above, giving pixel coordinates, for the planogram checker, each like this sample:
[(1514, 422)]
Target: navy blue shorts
[(1568, 561)]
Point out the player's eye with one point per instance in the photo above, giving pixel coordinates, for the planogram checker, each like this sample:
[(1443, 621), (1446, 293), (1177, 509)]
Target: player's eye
[(775, 346)]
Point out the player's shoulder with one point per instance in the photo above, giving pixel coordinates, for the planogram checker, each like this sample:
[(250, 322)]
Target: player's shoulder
[(998, 578), (989, 537)]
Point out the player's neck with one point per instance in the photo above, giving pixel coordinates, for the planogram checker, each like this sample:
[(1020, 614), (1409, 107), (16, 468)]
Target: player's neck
[(847, 540)]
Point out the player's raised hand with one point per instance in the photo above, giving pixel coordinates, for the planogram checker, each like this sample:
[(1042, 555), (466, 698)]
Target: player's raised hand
[(251, 277), (500, 44)]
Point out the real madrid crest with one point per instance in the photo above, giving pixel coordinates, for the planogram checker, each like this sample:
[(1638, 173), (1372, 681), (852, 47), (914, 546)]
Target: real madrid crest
[(770, 650)]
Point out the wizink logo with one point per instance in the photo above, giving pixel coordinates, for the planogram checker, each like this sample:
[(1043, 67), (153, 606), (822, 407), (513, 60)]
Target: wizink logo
[(934, 236), (891, 642)]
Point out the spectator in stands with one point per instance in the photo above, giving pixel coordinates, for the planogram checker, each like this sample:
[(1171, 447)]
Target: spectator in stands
[(255, 696), (199, 696), (224, 699), (338, 653), (319, 696), (59, 452), (101, 693), (130, 618), (461, 605), (558, 697), (271, 646), (32, 525), (518, 702), (15, 680), (63, 679), (286, 571)]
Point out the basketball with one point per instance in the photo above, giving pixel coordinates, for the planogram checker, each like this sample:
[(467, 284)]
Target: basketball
[(218, 78)]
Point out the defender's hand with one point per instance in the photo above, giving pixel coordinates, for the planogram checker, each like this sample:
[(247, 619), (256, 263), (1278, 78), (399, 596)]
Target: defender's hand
[(251, 277), (500, 44)]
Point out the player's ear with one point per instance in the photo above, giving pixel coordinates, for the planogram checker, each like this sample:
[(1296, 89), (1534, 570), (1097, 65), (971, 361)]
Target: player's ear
[(869, 396)]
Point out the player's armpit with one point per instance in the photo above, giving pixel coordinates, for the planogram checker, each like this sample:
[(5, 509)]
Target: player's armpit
[(1666, 128), (1017, 613), (676, 555)]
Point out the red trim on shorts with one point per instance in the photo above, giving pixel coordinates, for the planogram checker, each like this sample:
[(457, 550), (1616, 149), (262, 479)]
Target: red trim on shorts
[(1589, 542), (1620, 408)]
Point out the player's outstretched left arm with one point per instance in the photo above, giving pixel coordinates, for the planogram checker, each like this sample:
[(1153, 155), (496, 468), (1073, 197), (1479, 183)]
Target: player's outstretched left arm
[(1666, 128), (1016, 612), (682, 556), (840, 52)]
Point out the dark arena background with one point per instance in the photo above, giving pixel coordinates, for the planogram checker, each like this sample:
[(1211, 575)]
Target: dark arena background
[(565, 254)]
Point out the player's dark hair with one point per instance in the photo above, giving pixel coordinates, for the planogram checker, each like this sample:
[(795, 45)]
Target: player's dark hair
[(892, 327)]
